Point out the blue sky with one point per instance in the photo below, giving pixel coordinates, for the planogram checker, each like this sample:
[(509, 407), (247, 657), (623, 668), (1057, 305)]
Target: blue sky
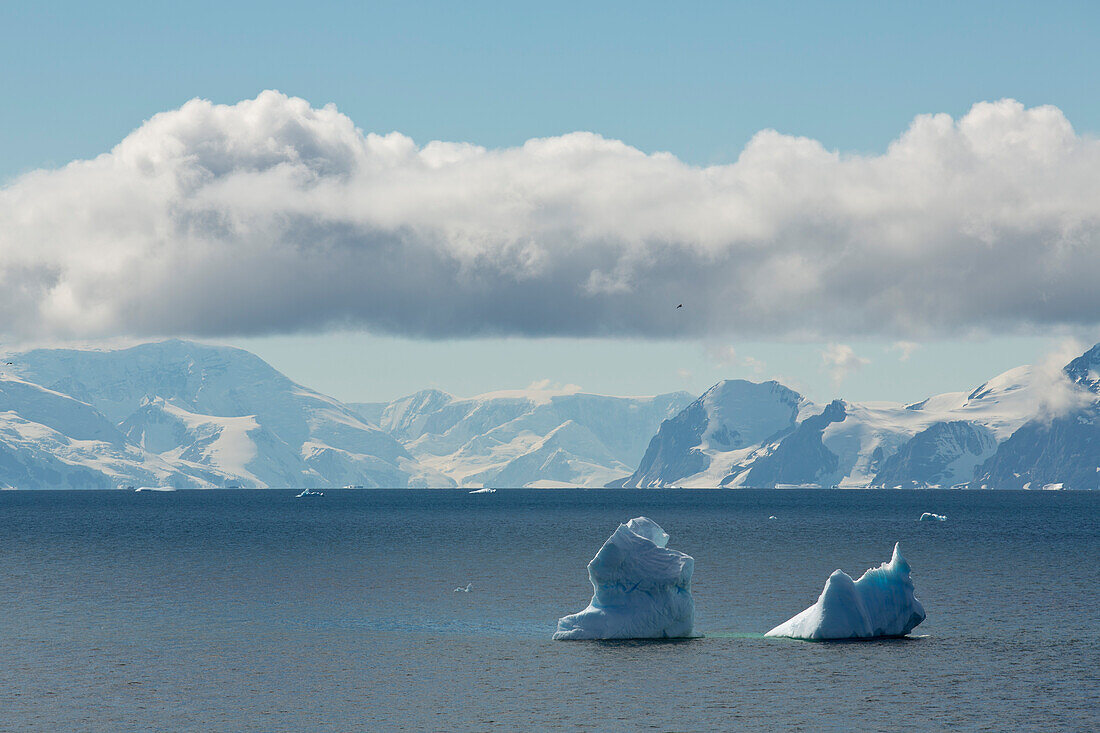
[(696, 80)]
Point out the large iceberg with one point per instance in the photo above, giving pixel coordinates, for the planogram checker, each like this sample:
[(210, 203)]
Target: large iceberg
[(881, 603), (642, 589)]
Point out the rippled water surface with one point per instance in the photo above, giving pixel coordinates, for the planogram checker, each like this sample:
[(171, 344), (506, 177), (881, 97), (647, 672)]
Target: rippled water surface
[(237, 610)]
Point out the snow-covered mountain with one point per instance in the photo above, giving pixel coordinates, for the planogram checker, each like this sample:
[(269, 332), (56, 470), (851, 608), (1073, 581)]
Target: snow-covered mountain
[(183, 414), (741, 434), (48, 439), (1060, 446), (722, 429), (534, 437)]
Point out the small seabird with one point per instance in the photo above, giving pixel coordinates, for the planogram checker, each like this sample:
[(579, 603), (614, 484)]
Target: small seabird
[(464, 590)]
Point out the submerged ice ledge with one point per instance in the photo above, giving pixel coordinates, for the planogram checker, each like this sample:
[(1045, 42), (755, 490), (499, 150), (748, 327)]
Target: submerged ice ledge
[(641, 589), (880, 604)]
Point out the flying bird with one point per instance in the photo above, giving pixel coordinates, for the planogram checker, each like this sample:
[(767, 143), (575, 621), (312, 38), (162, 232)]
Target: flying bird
[(680, 306)]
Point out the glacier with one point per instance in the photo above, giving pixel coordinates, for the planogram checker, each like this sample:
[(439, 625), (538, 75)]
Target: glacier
[(539, 437), (642, 589), (880, 604)]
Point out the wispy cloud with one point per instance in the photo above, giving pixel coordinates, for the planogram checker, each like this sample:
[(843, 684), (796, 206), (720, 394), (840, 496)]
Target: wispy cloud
[(905, 349), (755, 365), (727, 356), (840, 360), (1055, 394), (271, 216), (723, 355)]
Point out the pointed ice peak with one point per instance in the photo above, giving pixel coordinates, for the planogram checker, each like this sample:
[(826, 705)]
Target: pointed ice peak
[(881, 603), (897, 566)]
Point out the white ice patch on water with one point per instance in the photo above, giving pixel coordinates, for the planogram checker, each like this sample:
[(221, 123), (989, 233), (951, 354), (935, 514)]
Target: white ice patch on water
[(881, 603), (642, 589), (930, 517)]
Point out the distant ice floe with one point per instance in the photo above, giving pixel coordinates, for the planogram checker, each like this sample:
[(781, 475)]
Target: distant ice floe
[(464, 590), (930, 517), (154, 488), (484, 491), (880, 604), (642, 589)]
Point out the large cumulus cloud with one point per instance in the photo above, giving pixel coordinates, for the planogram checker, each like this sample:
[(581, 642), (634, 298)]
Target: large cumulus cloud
[(272, 216)]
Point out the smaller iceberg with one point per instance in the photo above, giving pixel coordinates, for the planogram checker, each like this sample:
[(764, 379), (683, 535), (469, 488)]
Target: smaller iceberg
[(642, 589), (309, 492), (880, 604), (930, 517), (483, 491)]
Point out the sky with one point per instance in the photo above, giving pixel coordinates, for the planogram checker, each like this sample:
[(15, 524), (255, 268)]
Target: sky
[(840, 194)]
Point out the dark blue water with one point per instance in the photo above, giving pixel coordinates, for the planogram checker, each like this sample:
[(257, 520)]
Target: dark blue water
[(237, 610)]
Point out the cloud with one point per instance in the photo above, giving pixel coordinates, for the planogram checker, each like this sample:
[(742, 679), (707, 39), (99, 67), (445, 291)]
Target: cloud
[(547, 385), (1055, 395), (756, 365), (727, 356), (840, 361), (905, 349), (272, 216), (723, 355)]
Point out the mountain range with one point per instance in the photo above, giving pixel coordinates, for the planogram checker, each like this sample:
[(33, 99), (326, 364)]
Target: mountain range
[(183, 414)]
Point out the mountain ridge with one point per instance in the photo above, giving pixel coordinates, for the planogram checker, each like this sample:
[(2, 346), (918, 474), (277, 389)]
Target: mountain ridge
[(185, 414)]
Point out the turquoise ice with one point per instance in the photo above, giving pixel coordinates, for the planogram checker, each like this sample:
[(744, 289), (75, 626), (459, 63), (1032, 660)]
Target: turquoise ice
[(642, 589)]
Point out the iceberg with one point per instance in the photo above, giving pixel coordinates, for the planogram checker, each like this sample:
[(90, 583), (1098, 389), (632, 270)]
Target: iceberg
[(930, 517), (642, 589), (880, 604)]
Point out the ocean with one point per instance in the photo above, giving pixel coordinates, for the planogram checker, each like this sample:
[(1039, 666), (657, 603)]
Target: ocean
[(258, 611)]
